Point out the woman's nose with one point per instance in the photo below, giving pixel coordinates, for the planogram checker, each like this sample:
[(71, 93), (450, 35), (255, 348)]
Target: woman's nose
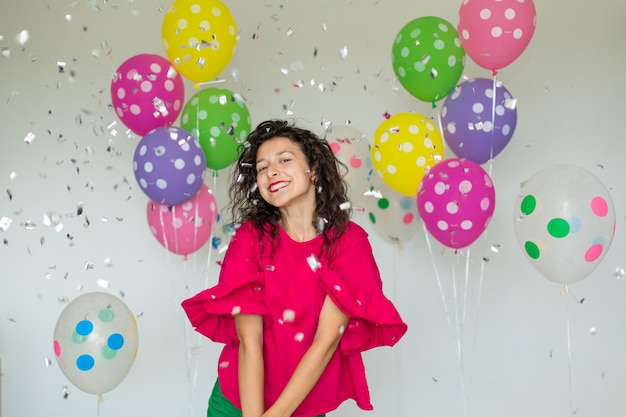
[(272, 171)]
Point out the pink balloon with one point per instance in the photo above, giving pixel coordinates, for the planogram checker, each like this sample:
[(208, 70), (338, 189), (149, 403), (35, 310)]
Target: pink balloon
[(184, 228), (147, 92), (456, 200), (494, 33)]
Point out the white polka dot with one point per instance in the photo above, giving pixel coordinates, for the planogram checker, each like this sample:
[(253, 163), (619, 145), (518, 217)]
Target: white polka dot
[(414, 129), (443, 27), (465, 34), (187, 205), (184, 146), (159, 150), (143, 183), (506, 129), (148, 167), (179, 163), (404, 52), (487, 126), (161, 183), (478, 108), (439, 44), (440, 188), (177, 223), (452, 207), (195, 8), (442, 225), (453, 164), (509, 14), (384, 137), (484, 204), (205, 25), (135, 109), (429, 207), (421, 161), (489, 93), (191, 178), (488, 182), (146, 86), (216, 11), (391, 169), (496, 31), (202, 115), (451, 127), (182, 24), (465, 186), (451, 60), (407, 147), (377, 156), (518, 33), (428, 143), (121, 93), (466, 224), (197, 160), (485, 14), (215, 131), (419, 66), (142, 150), (168, 85), (500, 110)]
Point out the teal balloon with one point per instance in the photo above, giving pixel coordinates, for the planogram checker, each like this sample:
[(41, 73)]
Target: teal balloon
[(221, 122), (428, 58)]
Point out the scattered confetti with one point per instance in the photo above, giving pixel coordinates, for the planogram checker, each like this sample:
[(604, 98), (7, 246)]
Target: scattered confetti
[(313, 262), (103, 283)]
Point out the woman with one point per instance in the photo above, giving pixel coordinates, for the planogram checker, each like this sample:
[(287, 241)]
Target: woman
[(299, 295)]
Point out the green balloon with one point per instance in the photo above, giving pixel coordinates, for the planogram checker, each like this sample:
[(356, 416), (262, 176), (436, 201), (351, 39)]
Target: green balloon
[(221, 122), (428, 58)]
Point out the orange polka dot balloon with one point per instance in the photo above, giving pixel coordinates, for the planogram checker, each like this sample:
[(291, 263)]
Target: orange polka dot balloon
[(406, 146), (564, 221)]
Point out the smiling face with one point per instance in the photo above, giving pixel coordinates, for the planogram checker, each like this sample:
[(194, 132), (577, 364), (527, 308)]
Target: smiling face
[(284, 177)]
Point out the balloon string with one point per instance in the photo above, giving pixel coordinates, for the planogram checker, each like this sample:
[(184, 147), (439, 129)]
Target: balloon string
[(441, 132), (569, 355), (432, 258), (459, 312), (211, 234), (493, 121)]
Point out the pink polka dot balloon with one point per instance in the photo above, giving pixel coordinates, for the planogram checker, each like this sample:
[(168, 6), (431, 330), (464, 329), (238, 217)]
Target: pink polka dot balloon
[(494, 33), (564, 221), (184, 228), (147, 92), (456, 200), (351, 147)]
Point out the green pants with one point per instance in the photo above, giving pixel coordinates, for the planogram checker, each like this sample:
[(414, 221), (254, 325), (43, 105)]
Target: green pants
[(221, 407)]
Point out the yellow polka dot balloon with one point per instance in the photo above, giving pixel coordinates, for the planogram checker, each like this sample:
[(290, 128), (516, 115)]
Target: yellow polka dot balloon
[(199, 37), (405, 146)]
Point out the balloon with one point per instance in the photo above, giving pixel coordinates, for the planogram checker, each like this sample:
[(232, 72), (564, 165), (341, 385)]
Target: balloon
[(169, 165), (199, 37), (392, 215), (427, 57), (564, 222), (476, 126), (456, 200), (405, 146), (220, 120), (95, 342), (494, 33), (351, 147), (147, 92), (184, 228)]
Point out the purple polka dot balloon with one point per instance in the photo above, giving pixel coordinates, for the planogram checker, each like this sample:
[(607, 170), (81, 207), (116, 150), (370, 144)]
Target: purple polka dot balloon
[(478, 125), (169, 165), (564, 222)]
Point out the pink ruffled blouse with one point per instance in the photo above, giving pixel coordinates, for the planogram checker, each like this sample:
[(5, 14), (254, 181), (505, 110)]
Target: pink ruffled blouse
[(288, 289)]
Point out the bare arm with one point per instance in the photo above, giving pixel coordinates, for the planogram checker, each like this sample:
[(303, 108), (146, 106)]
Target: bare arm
[(250, 378), (332, 322)]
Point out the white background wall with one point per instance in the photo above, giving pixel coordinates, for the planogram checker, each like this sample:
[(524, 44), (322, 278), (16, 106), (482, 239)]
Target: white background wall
[(519, 357)]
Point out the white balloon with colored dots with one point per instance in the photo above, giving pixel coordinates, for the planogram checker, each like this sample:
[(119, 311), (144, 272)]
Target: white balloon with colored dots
[(352, 148), (95, 342), (564, 221)]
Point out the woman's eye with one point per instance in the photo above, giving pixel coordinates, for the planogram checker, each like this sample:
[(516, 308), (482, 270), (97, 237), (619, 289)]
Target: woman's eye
[(261, 169), (285, 160)]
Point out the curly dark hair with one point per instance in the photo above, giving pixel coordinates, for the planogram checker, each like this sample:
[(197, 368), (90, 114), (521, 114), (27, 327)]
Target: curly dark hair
[(331, 215)]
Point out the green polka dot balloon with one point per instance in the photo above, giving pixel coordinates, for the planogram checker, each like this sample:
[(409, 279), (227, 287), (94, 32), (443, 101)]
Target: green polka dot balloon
[(427, 57), (564, 221), (221, 122)]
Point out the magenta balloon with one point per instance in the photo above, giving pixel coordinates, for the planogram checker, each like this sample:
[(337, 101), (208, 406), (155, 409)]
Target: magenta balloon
[(147, 92), (476, 126), (455, 201)]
